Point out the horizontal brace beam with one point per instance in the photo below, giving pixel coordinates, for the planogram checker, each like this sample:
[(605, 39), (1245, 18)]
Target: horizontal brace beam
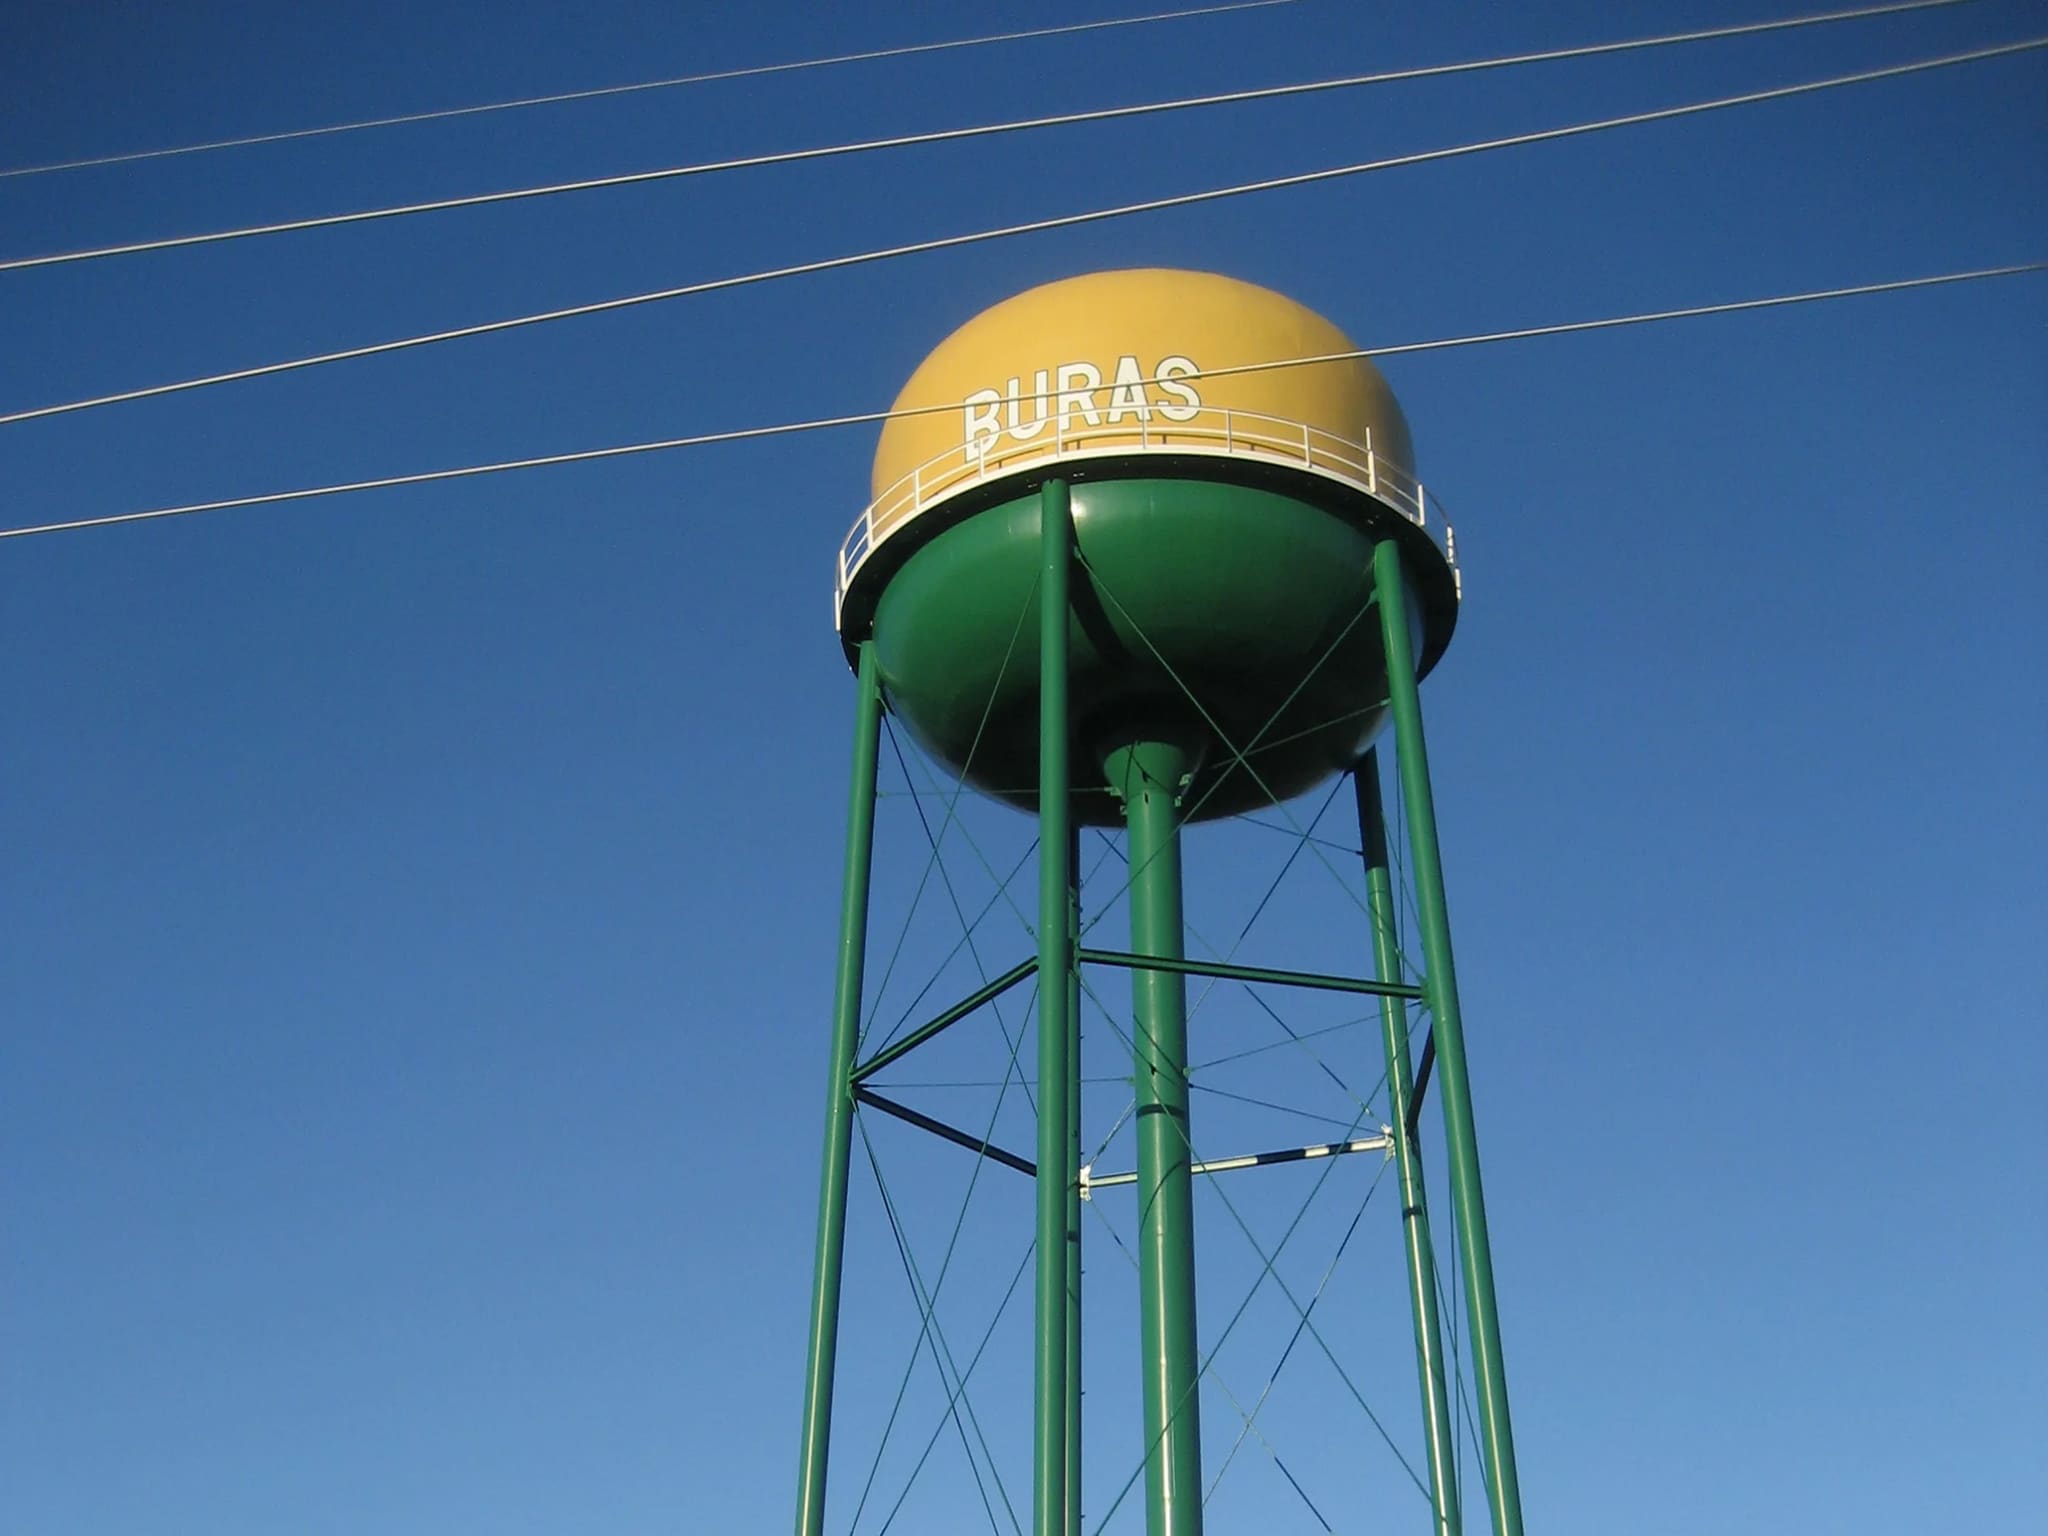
[(939, 1128), (1314, 980), (946, 1020), (1379, 1143)]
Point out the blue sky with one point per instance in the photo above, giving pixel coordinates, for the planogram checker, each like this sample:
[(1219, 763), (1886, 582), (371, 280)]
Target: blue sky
[(420, 906)]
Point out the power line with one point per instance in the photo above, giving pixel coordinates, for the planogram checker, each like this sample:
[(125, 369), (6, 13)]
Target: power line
[(1037, 226), (947, 135), (868, 418), (747, 72)]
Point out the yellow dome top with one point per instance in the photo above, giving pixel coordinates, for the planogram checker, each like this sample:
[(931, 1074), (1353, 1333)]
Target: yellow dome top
[(1113, 355)]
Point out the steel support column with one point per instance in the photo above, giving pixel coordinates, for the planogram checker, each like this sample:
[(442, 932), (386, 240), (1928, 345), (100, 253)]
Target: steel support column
[(1497, 1441), (1429, 1347), (846, 1005), (1074, 1185), (1053, 1411), (1149, 776)]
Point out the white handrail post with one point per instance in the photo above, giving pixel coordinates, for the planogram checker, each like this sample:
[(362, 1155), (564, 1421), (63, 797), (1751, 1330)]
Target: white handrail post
[(1307, 453), (1226, 430), (1421, 507)]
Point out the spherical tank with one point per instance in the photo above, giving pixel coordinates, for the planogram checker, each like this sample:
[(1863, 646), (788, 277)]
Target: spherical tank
[(1225, 516)]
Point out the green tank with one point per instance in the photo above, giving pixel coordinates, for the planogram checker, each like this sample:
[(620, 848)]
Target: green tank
[(1224, 524)]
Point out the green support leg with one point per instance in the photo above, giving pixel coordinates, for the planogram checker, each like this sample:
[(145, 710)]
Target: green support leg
[(1429, 1347), (1148, 775), (1497, 1440), (846, 1005), (1053, 1410), (1074, 1191)]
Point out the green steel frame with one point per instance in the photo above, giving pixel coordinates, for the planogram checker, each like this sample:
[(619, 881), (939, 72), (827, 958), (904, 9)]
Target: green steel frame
[(1150, 777), (1403, 1103), (1073, 1382), (1447, 1031), (823, 1352), (1056, 1396)]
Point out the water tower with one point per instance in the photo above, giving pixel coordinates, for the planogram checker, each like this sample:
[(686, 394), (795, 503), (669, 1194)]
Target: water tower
[(1230, 580)]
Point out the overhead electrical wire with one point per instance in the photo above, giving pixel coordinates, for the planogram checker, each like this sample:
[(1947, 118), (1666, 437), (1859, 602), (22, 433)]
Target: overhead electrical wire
[(1035, 226), (869, 418), (555, 98), (952, 135)]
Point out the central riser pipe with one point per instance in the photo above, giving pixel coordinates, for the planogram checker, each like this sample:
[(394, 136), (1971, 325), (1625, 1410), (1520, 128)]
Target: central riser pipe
[(1149, 777)]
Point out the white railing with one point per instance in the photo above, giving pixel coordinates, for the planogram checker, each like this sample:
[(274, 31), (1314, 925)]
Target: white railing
[(1211, 432)]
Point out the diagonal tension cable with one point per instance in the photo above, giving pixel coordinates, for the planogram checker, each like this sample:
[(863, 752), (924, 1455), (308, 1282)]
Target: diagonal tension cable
[(995, 1005), (952, 806), (1268, 1269), (931, 1333), (1273, 1379)]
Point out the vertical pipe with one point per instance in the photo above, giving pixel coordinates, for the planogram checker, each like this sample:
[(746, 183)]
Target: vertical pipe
[(1074, 1188), (846, 1006), (1148, 775), (1440, 987), (1051, 1406), (1429, 1345)]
